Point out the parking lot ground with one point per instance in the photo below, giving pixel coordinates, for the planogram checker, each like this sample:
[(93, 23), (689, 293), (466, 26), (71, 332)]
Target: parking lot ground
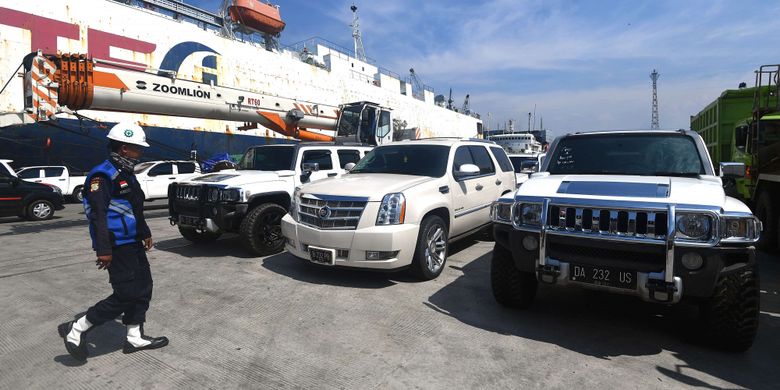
[(237, 321)]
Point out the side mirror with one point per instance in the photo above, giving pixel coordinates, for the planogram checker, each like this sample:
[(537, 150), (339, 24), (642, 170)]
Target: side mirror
[(310, 167), (467, 170), (732, 169), (349, 166)]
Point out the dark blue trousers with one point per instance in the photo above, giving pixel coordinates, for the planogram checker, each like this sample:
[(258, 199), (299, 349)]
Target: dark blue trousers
[(131, 279)]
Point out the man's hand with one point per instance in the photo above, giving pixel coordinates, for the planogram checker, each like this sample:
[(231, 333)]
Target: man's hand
[(148, 243), (103, 261)]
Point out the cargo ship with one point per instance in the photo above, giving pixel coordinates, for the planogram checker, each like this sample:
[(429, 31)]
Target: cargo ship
[(236, 47)]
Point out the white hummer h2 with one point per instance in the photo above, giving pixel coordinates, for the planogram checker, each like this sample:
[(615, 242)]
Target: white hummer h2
[(400, 206), (639, 212), (252, 199)]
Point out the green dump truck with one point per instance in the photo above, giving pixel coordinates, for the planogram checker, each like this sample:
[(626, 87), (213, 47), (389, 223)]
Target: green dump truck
[(743, 125)]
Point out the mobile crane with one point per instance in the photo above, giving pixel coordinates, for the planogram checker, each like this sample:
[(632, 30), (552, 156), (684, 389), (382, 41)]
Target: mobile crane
[(65, 83)]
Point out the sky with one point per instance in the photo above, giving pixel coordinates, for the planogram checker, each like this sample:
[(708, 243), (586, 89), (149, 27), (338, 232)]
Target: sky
[(579, 65)]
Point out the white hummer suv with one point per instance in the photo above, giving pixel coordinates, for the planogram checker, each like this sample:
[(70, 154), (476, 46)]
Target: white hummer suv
[(400, 205), (252, 199), (641, 213)]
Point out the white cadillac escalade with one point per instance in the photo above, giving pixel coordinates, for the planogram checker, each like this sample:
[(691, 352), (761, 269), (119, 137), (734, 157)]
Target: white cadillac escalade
[(400, 206), (637, 212)]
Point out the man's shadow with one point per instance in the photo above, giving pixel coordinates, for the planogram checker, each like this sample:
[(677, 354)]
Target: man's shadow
[(106, 338)]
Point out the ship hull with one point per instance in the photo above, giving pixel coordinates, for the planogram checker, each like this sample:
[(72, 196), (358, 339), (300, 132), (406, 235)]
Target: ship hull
[(81, 146)]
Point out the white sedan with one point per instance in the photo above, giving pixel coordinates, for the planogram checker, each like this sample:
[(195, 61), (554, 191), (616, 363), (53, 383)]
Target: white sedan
[(155, 176)]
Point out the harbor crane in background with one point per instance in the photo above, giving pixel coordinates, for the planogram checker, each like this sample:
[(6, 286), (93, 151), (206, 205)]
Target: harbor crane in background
[(65, 83)]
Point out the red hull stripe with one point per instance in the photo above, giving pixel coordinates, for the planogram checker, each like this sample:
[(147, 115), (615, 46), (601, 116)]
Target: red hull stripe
[(18, 198)]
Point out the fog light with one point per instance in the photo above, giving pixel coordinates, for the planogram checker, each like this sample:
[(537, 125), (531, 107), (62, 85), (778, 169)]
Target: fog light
[(380, 255), (692, 261), (530, 243)]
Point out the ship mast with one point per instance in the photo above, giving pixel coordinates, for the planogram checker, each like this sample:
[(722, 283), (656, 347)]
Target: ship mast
[(360, 52)]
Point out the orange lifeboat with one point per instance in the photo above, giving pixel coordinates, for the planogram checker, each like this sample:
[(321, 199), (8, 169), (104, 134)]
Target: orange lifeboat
[(257, 16)]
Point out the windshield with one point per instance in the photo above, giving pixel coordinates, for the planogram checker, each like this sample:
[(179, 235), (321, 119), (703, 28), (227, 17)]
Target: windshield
[(142, 167), (627, 154), (418, 160), (268, 158), (522, 163), (348, 121)]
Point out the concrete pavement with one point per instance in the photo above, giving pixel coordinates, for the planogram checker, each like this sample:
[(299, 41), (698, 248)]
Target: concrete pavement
[(236, 321)]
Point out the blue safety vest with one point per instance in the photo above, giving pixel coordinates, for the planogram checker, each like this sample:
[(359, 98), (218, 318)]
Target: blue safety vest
[(121, 220)]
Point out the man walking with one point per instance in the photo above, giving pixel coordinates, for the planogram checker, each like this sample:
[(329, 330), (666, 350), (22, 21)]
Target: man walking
[(113, 201)]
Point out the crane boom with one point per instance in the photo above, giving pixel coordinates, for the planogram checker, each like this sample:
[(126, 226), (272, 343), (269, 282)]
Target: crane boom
[(70, 82)]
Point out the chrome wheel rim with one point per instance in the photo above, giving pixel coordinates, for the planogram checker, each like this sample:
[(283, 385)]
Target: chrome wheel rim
[(435, 248), (41, 210)]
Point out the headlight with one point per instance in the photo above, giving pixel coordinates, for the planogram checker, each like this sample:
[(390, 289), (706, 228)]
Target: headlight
[(231, 195), (392, 210), (294, 204), (501, 212), (693, 226), (212, 194), (528, 214), (740, 229)]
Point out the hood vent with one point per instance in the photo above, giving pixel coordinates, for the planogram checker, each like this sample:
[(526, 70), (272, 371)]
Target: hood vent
[(602, 188)]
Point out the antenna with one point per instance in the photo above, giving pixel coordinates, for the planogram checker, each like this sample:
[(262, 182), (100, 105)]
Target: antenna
[(360, 52), (654, 122)]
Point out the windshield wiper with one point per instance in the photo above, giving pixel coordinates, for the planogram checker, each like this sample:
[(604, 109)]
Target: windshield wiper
[(676, 174)]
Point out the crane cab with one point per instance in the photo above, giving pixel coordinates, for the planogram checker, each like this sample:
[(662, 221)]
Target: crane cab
[(365, 123)]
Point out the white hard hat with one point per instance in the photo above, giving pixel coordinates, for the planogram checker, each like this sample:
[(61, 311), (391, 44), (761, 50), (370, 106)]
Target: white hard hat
[(129, 133)]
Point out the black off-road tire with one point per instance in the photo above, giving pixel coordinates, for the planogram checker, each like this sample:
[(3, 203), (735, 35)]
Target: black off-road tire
[(767, 213), (39, 210), (77, 196), (420, 267), (261, 229), (198, 237), (730, 317), (511, 287)]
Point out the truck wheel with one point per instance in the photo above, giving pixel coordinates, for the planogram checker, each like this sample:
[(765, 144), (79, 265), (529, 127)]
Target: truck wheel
[(730, 317), (199, 237), (511, 287), (77, 195), (39, 210), (430, 254), (261, 229), (768, 216)]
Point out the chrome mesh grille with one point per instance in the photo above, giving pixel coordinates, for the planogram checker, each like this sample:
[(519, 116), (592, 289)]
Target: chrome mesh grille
[(330, 214), (615, 222)]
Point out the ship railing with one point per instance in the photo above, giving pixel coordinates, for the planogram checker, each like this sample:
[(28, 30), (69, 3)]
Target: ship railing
[(176, 9), (310, 44)]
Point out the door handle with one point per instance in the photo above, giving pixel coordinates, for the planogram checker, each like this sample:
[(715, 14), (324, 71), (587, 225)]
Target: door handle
[(444, 189), (171, 178), (498, 182), (479, 187), (332, 174), (61, 179)]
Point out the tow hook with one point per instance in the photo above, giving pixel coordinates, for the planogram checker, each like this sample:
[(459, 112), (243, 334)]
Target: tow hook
[(548, 273), (661, 291)]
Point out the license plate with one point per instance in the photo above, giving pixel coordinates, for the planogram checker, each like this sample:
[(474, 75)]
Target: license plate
[(322, 255), (603, 276), (190, 221)]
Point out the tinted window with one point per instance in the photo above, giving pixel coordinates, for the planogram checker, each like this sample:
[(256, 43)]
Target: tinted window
[(419, 160), (53, 172), (462, 156), (321, 157), (268, 158), (627, 154), (348, 156), (186, 167), (520, 163), (503, 160), (482, 160), (4, 172), (142, 167), (162, 169), (27, 173)]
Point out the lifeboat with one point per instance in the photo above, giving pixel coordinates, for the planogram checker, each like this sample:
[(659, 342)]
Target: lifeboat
[(256, 15)]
